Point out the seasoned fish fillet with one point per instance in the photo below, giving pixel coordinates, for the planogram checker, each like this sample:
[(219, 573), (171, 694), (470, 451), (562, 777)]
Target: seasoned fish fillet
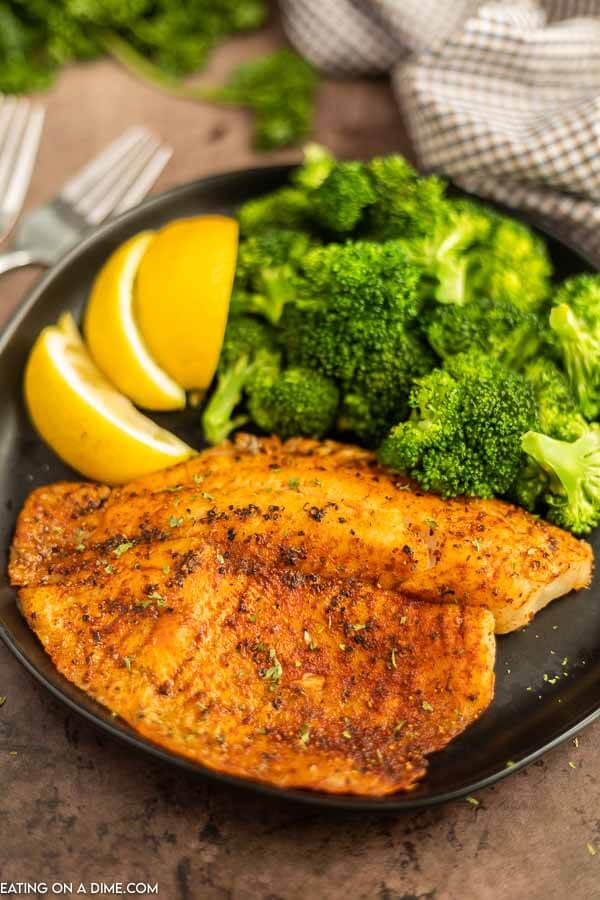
[(264, 672), (311, 507)]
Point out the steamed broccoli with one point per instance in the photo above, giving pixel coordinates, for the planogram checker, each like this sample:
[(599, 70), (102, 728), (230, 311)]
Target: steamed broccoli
[(249, 345), (377, 397), (558, 412), (287, 207), (497, 328), (511, 264), (352, 319), (442, 251), (558, 417), (351, 300), (572, 496), (464, 433), (317, 164), (293, 401), (405, 204), (266, 266), (468, 252), (575, 321), (338, 204)]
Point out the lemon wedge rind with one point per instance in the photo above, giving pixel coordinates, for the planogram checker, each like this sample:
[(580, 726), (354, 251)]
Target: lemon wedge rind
[(114, 339), (182, 293), (82, 416)]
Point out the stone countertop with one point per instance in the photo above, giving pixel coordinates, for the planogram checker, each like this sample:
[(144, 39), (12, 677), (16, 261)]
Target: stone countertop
[(76, 806)]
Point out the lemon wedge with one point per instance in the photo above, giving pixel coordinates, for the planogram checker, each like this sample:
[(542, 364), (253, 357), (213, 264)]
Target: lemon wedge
[(85, 420), (182, 294), (113, 337)]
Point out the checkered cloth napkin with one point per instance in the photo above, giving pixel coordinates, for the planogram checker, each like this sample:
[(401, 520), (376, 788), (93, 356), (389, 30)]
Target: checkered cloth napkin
[(503, 97)]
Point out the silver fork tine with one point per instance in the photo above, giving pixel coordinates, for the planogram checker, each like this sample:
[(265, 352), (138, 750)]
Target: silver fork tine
[(20, 177), (146, 179), (76, 187), (14, 127), (102, 193), (7, 108)]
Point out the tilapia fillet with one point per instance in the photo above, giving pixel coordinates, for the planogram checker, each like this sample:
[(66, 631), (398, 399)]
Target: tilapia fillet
[(277, 676), (290, 613), (311, 507)]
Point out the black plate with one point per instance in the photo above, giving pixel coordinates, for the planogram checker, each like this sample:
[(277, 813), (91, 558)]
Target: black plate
[(529, 714)]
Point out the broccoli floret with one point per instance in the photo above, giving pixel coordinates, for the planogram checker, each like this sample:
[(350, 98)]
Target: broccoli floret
[(572, 497), (406, 204), (378, 395), (497, 328), (468, 252), (575, 321), (280, 89), (558, 416), (464, 432), (339, 203), (287, 207), (316, 166), (266, 266), (512, 264), (558, 412), (294, 401), (248, 346), (441, 251), (351, 299)]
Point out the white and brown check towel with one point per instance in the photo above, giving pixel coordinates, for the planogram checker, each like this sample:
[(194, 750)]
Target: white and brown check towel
[(503, 97)]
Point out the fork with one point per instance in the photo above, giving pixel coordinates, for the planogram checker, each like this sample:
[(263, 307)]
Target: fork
[(21, 126), (114, 181)]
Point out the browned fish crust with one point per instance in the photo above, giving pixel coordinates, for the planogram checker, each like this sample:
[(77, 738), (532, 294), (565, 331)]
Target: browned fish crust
[(270, 674), (312, 507)]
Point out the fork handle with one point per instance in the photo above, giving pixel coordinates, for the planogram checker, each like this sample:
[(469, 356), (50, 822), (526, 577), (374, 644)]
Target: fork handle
[(15, 259)]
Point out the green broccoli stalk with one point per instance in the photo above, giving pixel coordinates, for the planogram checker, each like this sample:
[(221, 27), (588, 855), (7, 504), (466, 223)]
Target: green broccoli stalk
[(266, 267), (558, 417), (497, 328), (464, 433), (469, 252), (294, 401), (573, 493), (249, 346), (441, 251), (575, 322), (280, 89)]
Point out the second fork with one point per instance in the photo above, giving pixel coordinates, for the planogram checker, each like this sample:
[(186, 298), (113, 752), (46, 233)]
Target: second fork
[(117, 179)]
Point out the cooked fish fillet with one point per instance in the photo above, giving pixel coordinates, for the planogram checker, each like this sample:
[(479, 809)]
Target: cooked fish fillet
[(262, 672), (307, 507)]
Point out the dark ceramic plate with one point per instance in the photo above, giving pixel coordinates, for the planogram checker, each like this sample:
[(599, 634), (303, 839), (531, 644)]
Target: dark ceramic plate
[(529, 714)]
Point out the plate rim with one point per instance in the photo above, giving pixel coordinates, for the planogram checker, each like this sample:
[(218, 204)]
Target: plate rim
[(386, 805)]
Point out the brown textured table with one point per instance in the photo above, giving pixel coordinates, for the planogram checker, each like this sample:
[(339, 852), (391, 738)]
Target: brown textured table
[(74, 806)]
